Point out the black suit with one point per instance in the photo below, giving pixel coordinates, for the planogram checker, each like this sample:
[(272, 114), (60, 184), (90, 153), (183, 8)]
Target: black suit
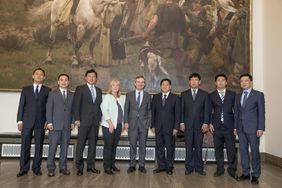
[(165, 118), (223, 130), (89, 114), (194, 114), (31, 112)]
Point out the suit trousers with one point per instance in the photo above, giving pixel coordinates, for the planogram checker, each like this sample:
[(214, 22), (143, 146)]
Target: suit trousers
[(25, 149), (193, 145), (55, 138), (85, 133), (165, 140), (110, 145), (224, 137), (246, 140), (137, 134)]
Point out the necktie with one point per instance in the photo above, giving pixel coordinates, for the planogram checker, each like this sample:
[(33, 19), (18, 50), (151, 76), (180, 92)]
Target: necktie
[(36, 91), (93, 93), (222, 100), (164, 100), (64, 95), (245, 98), (138, 99), (194, 94)]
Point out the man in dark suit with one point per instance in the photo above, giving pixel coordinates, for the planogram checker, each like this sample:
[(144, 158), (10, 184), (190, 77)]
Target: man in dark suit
[(165, 124), (137, 119), (222, 125), (31, 120), (195, 115), (249, 126), (59, 123), (87, 115)]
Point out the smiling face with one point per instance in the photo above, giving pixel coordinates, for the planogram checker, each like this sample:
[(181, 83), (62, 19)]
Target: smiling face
[(139, 83), (165, 87), (245, 82), (91, 78), (63, 82)]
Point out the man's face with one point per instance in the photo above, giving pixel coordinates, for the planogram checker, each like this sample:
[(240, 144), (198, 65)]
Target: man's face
[(139, 83), (245, 82), (91, 78), (221, 83), (63, 82), (38, 76), (194, 82), (165, 87)]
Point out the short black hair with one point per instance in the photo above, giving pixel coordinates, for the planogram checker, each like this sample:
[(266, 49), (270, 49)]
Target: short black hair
[(63, 74), (195, 75), (247, 75), (40, 69), (220, 75), (91, 71), (165, 80)]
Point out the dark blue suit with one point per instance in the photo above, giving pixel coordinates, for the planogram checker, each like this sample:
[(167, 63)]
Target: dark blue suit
[(248, 120), (194, 114), (223, 130), (32, 112), (164, 120)]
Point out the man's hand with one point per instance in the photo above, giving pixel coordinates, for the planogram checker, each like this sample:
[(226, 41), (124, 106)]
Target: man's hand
[(20, 127), (111, 127), (50, 127), (182, 127), (126, 127), (235, 132), (72, 126), (77, 123), (259, 133), (175, 131), (211, 128), (205, 128), (153, 130)]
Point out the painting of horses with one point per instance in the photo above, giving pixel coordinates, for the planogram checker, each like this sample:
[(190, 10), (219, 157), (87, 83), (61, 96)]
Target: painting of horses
[(123, 39)]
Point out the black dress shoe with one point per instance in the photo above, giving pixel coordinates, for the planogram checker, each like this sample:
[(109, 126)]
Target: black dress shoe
[(21, 173), (37, 173), (216, 174), (255, 180), (159, 170), (243, 178), (188, 172), (169, 172), (109, 172), (65, 172), (79, 173), (202, 173), (131, 169), (142, 169), (115, 169), (93, 170), (51, 173), (233, 175)]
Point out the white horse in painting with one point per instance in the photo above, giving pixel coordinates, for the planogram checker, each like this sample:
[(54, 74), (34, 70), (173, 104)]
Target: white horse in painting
[(89, 17)]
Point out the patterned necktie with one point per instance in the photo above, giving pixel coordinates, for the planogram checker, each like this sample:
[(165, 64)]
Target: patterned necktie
[(164, 100), (245, 98), (138, 100), (36, 91), (194, 94), (93, 93), (221, 93)]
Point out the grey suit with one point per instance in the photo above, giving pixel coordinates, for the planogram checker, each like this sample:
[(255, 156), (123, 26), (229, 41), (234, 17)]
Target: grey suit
[(59, 113), (139, 120)]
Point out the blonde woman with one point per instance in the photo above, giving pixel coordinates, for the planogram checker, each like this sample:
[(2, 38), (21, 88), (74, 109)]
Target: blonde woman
[(112, 124)]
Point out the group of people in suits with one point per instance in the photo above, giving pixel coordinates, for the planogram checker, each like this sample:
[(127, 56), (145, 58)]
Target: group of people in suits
[(196, 112)]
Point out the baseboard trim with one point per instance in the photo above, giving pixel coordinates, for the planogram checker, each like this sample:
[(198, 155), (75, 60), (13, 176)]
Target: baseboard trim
[(271, 159)]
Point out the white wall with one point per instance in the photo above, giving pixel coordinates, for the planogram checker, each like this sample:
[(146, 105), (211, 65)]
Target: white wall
[(272, 67), (267, 51)]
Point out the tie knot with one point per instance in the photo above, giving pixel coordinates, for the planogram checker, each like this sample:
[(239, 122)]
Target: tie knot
[(164, 96), (245, 92)]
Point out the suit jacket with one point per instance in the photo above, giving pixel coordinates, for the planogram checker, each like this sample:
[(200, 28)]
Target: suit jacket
[(227, 107), (251, 117), (83, 107), (165, 118), (59, 111), (195, 113), (131, 112), (110, 109), (32, 110)]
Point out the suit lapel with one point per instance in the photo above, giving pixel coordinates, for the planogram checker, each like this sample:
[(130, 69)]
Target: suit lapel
[(251, 95)]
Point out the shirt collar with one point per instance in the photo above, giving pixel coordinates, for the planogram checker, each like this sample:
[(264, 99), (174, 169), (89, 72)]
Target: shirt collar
[(220, 91), (167, 93), (62, 90), (89, 85), (196, 90), (248, 90)]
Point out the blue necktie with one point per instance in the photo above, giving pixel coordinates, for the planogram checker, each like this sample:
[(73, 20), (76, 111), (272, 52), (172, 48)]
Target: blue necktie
[(138, 100), (93, 93), (245, 98), (36, 91)]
